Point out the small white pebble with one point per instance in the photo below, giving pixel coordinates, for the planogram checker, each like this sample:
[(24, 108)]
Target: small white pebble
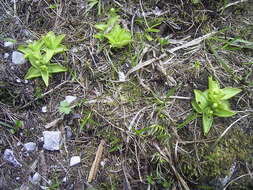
[(9, 44), (64, 180), (102, 163), (18, 80), (74, 160), (6, 55), (44, 109), (70, 99), (122, 76)]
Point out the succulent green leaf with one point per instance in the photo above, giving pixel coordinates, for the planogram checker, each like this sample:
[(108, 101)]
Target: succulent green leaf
[(52, 41), (212, 84), (113, 20), (48, 55), (207, 121), (201, 99), (118, 37), (223, 112), (196, 107), (45, 76), (101, 26), (56, 68), (230, 92), (32, 73)]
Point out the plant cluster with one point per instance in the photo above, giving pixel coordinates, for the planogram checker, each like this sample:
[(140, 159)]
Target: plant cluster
[(117, 36), (40, 52), (213, 102)]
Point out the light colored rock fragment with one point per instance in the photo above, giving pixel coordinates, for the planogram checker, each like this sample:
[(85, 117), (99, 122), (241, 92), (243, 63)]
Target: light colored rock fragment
[(6, 55), (9, 44), (74, 160), (44, 109), (122, 76), (52, 140), (17, 58), (10, 158), (35, 179), (30, 146), (70, 99)]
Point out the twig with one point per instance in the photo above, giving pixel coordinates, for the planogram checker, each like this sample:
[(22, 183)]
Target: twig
[(95, 164), (46, 93), (226, 130), (231, 4), (235, 180), (183, 46)]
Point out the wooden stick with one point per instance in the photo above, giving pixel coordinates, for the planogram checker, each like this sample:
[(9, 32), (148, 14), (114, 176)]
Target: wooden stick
[(95, 164)]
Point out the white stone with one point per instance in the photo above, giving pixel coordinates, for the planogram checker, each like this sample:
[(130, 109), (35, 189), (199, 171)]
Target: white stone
[(30, 146), (10, 158), (18, 58), (64, 180), (35, 179), (44, 109), (74, 160), (6, 55), (122, 76), (9, 44), (70, 99), (18, 80), (52, 140)]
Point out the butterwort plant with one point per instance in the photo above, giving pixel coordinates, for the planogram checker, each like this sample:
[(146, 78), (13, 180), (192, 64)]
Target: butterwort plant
[(111, 30), (213, 102), (40, 52)]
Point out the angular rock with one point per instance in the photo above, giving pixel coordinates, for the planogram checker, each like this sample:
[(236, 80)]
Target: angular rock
[(9, 44), (10, 158), (30, 146), (6, 55), (52, 140), (18, 58), (35, 179), (70, 99), (74, 160)]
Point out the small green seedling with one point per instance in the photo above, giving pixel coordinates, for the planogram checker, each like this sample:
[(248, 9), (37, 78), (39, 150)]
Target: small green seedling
[(117, 36), (65, 107), (213, 102), (40, 52)]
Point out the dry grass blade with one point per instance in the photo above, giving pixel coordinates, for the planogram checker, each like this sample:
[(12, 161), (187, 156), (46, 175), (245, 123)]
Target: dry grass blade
[(167, 157), (94, 167)]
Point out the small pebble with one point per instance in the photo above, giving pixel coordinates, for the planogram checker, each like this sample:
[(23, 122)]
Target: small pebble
[(74, 160), (10, 158), (30, 146), (35, 179), (44, 109), (18, 58), (52, 140), (18, 80), (70, 99), (9, 44), (6, 55), (122, 76)]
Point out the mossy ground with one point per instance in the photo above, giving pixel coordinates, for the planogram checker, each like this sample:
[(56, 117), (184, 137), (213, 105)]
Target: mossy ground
[(138, 118)]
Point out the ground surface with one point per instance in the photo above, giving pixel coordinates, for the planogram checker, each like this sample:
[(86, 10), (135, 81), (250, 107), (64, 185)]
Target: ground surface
[(138, 118)]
